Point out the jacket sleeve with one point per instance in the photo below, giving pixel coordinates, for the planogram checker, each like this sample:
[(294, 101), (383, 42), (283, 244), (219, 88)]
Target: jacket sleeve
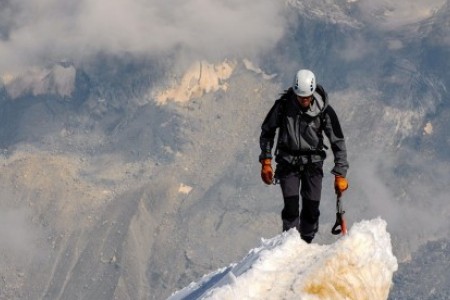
[(268, 130), (334, 133)]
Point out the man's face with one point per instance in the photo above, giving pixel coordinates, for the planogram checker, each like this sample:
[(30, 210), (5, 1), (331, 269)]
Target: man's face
[(304, 102)]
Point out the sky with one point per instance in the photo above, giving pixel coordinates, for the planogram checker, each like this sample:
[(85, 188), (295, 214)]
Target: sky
[(359, 265)]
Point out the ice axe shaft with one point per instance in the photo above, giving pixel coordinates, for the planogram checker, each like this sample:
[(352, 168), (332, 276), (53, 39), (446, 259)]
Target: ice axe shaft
[(340, 226)]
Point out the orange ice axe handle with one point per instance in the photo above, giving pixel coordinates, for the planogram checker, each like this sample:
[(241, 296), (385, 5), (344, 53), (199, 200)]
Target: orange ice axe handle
[(340, 226)]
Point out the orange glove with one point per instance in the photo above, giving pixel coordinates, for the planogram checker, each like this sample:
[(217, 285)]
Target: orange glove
[(340, 184), (267, 171)]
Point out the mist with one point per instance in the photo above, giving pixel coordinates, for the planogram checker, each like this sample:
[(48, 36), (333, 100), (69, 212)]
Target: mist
[(15, 233)]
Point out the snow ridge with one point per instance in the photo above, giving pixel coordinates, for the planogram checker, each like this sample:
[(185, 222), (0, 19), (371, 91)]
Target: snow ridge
[(357, 266)]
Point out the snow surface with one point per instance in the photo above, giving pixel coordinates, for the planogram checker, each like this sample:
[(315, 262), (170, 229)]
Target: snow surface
[(357, 266)]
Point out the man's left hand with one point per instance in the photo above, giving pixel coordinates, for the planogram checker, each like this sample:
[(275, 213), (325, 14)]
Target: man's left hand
[(340, 184)]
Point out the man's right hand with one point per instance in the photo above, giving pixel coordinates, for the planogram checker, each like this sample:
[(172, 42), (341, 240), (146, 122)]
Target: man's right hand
[(267, 171)]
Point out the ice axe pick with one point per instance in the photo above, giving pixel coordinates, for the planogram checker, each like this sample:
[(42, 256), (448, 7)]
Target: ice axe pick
[(340, 226)]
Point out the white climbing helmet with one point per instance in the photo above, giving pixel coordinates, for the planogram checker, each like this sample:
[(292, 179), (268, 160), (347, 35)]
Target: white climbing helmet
[(304, 83)]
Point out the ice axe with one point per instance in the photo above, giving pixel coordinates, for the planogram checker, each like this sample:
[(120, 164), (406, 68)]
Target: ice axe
[(340, 220)]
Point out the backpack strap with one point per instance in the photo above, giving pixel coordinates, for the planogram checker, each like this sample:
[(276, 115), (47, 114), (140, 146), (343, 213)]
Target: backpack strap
[(323, 122), (283, 99), (282, 111)]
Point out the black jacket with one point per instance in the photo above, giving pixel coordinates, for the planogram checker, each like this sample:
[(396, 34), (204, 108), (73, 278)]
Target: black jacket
[(300, 134)]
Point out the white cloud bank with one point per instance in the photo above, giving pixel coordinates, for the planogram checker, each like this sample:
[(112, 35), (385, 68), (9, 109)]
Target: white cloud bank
[(35, 32), (357, 266)]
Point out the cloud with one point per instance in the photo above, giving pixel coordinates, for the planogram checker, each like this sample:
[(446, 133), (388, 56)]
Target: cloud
[(16, 235), (355, 49), (391, 14), (57, 80), (406, 190), (47, 30)]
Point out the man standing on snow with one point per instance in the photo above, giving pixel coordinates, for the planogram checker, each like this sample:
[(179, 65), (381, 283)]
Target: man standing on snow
[(302, 115)]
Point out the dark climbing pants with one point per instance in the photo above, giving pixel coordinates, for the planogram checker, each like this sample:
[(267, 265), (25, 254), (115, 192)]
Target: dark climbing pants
[(304, 181)]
